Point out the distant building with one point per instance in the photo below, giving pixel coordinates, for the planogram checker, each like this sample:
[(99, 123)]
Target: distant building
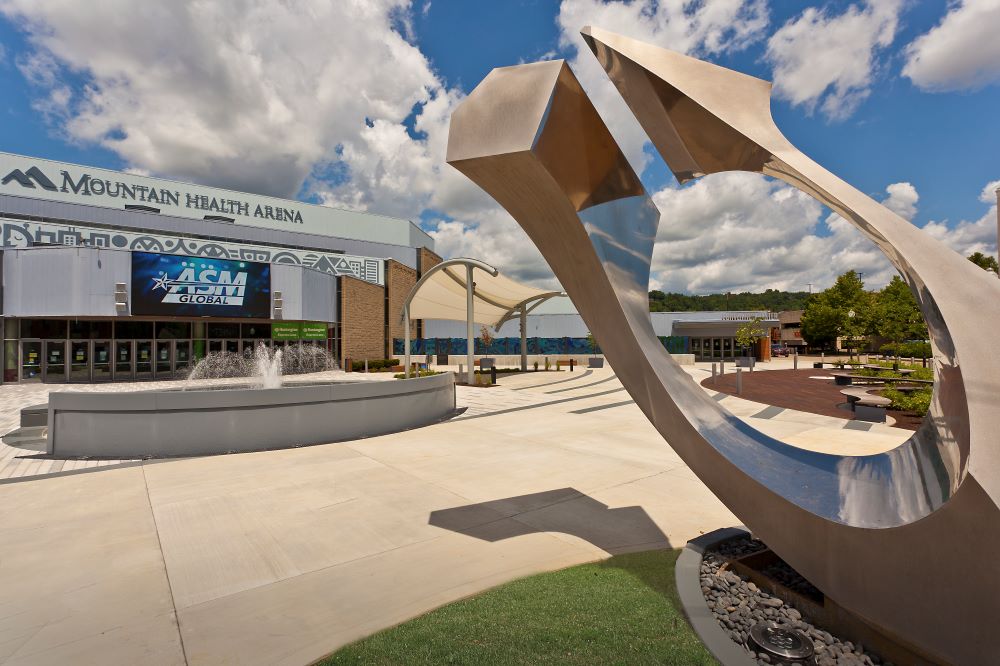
[(556, 328), (790, 328)]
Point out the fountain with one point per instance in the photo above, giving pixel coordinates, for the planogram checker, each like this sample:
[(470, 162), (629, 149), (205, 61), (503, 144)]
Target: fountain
[(260, 412), (265, 367)]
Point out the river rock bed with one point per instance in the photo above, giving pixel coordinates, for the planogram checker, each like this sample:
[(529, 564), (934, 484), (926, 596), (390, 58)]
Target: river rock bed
[(738, 604)]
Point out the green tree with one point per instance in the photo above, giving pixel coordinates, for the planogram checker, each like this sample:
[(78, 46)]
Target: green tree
[(748, 334), (592, 342), (898, 315), (985, 261), (821, 322)]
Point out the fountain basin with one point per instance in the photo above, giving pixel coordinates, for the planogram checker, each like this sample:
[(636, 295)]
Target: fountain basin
[(155, 424)]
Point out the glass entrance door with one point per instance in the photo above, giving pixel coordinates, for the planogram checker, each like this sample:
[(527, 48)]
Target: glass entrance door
[(143, 359), (182, 357), (31, 361), (123, 361), (164, 359), (79, 360), (101, 369), (54, 369)]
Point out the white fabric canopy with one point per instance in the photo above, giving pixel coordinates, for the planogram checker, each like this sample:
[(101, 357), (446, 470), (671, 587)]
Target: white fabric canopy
[(443, 295)]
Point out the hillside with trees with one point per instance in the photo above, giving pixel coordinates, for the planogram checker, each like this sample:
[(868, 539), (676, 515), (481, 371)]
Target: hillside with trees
[(772, 300)]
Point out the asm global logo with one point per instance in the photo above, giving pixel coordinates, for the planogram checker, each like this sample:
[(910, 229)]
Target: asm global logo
[(201, 284)]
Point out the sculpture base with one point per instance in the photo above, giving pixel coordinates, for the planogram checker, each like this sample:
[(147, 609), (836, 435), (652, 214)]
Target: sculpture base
[(741, 583)]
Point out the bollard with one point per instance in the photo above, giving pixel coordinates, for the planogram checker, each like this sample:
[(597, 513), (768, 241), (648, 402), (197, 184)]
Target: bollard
[(571, 365), (366, 365), (714, 370), (795, 360), (822, 358), (722, 368), (739, 381), (461, 370), (493, 375)]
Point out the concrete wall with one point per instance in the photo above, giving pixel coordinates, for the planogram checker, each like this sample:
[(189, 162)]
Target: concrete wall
[(63, 281), (181, 423), (362, 317)]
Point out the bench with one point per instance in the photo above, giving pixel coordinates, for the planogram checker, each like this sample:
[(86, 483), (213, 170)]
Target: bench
[(566, 364), (866, 407)]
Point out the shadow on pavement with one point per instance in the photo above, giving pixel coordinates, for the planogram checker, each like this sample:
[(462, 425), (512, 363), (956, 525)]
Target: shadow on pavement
[(564, 510)]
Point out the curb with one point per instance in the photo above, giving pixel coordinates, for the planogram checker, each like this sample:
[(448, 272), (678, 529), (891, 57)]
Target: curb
[(687, 574)]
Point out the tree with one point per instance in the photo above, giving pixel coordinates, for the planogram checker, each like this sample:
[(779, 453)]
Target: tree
[(984, 261), (821, 322), (899, 316), (748, 334), (592, 342), (486, 338)]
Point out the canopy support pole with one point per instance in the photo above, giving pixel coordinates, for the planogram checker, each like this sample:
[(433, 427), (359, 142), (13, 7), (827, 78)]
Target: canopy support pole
[(406, 342), (524, 338), (470, 342)]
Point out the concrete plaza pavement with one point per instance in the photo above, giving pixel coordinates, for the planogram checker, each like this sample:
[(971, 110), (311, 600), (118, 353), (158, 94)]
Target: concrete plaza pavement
[(281, 557)]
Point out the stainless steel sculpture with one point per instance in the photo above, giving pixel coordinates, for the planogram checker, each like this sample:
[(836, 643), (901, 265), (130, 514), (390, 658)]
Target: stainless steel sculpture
[(906, 539)]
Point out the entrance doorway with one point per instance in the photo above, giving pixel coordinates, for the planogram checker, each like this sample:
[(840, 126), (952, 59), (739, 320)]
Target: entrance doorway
[(31, 364), (54, 367)]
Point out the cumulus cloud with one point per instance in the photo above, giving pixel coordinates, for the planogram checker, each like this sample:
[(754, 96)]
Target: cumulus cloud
[(830, 60), (745, 232), (253, 95), (961, 52), (970, 236)]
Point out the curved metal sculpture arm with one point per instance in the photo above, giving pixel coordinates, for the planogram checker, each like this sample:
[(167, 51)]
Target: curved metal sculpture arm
[(867, 530)]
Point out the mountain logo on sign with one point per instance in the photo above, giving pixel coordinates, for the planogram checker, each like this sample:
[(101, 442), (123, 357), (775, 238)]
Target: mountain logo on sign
[(33, 174), (203, 285)]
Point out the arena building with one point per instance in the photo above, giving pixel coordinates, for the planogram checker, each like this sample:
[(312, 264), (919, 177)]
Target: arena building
[(111, 276)]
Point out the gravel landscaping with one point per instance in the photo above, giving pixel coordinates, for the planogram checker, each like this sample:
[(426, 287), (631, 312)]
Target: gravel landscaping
[(738, 604)]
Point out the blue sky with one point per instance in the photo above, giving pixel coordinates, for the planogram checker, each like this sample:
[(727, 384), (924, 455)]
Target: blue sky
[(361, 121)]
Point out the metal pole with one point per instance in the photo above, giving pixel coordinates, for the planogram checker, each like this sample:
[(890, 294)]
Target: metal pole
[(714, 370), (722, 367), (406, 342), (795, 359), (524, 338), (470, 351), (739, 381)]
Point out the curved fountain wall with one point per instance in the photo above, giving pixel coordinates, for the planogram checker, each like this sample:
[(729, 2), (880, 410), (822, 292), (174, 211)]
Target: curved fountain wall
[(202, 422)]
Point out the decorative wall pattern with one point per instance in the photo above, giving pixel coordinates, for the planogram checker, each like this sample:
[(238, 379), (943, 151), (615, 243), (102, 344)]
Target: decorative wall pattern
[(20, 234)]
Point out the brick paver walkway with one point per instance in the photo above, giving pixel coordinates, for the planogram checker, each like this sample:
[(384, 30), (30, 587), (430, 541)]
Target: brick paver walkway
[(795, 389)]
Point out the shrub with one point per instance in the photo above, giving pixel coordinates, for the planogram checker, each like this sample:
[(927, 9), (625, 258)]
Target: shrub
[(375, 364), (420, 373), (907, 349), (917, 402)]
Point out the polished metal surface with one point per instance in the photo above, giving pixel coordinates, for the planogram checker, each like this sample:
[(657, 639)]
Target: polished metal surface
[(894, 537)]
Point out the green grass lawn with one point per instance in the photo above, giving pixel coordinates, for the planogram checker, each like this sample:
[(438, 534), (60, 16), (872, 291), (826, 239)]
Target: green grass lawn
[(620, 611)]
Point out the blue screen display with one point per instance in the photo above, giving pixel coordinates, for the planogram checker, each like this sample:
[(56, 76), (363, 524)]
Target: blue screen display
[(180, 286)]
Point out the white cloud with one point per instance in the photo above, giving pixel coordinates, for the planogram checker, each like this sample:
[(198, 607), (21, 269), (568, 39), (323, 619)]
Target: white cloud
[(252, 95), (902, 200), (745, 232), (961, 52), (829, 60), (967, 236)]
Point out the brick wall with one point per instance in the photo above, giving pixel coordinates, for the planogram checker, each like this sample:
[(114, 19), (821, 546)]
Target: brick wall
[(399, 280), (426, 259), (362, 319)]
